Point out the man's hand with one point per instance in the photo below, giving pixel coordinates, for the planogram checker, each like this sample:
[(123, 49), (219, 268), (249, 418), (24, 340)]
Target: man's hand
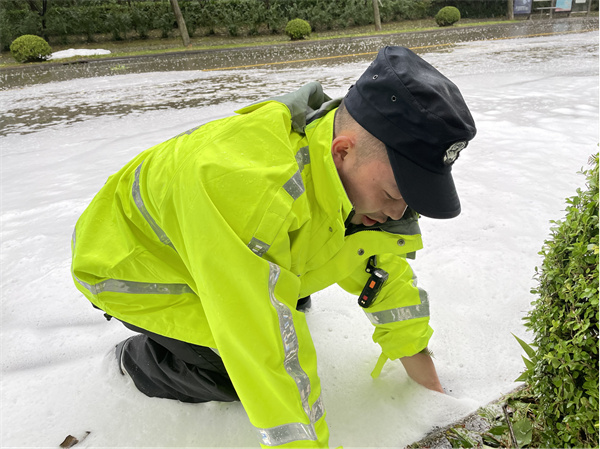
[(421, 369)]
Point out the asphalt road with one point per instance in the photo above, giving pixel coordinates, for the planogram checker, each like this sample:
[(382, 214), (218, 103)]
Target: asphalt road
[(298, 53)]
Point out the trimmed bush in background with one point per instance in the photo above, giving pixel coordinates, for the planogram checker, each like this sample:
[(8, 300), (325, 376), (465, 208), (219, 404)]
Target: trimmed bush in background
[(447, 16), (562, 368), (297, 29), (29, 48)]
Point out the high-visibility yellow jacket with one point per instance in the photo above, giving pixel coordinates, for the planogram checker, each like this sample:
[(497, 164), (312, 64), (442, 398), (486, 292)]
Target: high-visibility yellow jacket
[(212, 236)]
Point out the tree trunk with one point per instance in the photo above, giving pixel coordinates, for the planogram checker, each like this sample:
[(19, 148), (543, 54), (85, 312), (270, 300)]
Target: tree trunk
[(43, 14), (376, 14), (33, 6), (181, 24), (511, 9)]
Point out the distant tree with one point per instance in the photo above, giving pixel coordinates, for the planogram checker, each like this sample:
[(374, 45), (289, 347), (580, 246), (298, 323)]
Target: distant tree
[(41, 10)]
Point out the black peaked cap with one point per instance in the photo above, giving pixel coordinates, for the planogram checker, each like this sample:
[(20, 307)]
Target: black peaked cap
[(423, 120)]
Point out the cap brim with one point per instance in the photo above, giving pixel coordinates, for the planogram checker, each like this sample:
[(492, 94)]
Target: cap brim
[(428, 193)]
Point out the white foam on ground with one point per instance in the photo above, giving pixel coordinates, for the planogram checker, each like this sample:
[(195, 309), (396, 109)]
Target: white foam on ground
[(535, 102), (78, 52)]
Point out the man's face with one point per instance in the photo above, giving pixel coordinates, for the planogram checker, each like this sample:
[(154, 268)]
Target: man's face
[(370, 186)]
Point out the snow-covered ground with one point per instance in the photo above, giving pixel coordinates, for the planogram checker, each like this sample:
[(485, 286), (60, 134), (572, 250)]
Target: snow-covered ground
[(535, 102)]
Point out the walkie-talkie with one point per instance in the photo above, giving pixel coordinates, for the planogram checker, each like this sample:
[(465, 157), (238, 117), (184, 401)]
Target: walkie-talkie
[(373, 285)]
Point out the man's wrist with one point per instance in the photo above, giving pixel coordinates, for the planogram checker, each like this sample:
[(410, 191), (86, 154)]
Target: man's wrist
[(421, 369)]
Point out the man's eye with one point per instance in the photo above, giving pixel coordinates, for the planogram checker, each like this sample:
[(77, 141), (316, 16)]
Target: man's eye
[(391, 197)]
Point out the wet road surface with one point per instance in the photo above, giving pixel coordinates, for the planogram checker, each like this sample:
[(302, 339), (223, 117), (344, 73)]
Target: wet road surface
[(303, 54), (60, 95)]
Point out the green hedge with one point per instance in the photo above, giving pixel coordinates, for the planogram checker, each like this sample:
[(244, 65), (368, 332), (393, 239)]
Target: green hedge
[(18, 23), (562, 368), (135, 19)]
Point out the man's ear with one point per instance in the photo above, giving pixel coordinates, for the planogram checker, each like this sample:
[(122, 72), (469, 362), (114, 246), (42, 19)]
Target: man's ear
[(340, 148)]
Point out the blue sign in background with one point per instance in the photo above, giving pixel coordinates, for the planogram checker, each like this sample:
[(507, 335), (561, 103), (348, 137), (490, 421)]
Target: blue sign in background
[(563, 5), (522, 6)]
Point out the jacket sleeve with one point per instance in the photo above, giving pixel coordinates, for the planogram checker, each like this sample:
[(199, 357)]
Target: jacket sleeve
[(400, 313), (249, 295)]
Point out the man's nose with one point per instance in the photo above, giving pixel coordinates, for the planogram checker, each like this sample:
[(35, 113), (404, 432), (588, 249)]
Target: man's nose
[(397, 211)]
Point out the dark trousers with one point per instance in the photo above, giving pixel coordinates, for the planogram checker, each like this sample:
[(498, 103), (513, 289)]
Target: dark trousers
[(166, 368)]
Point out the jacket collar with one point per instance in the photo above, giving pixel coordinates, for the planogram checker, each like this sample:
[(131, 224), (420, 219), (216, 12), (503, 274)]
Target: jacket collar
[(329, 189), (407, 225)]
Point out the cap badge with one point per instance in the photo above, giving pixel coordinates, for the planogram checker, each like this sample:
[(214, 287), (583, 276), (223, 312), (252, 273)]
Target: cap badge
[(453, 152)]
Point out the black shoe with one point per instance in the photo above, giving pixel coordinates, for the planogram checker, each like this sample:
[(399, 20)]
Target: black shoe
[(119, 350), (303, 304)]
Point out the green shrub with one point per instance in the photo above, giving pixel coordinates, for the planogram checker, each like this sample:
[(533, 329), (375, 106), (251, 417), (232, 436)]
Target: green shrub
[(30, 23), (297, 29), (233, 30), (275, 19), (473, 8), (562, 370), (255, 17), (88, 22), (141, 22), (29, 48), (447, 16), (395, 10), (165, 22), (192, 14), (15, 23), (60, 23), (415, 10), (7, 30), (119, 21)]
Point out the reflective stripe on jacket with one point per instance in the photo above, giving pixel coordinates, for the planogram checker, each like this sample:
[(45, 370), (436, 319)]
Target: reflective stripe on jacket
[(212, 236)]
